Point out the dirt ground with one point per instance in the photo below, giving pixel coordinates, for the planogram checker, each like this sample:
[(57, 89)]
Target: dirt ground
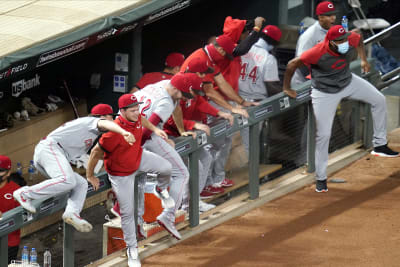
[(356, 223)]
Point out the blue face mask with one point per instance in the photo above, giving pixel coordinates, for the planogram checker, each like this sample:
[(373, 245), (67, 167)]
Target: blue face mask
[(269, 47), (343, 47)]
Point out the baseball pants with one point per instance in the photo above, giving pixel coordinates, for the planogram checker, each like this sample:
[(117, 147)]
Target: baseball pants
[(179, 175), (205, 160), (50, 160), (220, 151), (124, 188), (324, 106)]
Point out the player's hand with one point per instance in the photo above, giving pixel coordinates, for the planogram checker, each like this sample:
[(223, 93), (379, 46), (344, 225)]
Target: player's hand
[(94, 181), (129, 137), (226, 116), (188, 133), (203, 127), (290, 92), (240, 111), (170, 142), (365, 67), (258, 22), (161, 133), (249, 104)]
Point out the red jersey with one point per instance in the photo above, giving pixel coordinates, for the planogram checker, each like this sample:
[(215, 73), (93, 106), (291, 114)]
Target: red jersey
[(7, 203), (121, 158), (200, 53), (190, 109), (153, 77)]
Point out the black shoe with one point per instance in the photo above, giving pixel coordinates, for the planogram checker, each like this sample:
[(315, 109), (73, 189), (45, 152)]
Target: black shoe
[(321, 186), (384, 151)]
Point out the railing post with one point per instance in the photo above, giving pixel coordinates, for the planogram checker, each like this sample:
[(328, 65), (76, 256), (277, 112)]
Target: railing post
[(310, 139), (4, 250), (194, 189), (69, 250), (368, 129), (254, 160)]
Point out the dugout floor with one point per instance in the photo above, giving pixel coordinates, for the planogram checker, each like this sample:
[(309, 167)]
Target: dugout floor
[(356, 223)]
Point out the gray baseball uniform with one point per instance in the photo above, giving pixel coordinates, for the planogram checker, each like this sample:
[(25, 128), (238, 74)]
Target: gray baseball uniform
[(52, 158), (157, 100), (331, 82), (258, 66)]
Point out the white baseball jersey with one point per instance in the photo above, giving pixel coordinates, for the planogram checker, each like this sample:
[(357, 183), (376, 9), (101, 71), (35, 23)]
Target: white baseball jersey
[(258, 66), (76, 137), (156, 100), (312, 36)]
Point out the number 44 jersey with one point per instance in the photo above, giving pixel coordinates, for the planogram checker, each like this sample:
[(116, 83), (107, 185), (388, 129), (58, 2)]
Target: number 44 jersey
[(258, 66)]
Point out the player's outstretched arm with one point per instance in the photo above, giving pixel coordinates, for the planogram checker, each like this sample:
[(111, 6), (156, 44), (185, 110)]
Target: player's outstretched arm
[(95, 155), (177, 115), (365, 66), (148, 125), (105, 125), (290, 69), (226, 116)]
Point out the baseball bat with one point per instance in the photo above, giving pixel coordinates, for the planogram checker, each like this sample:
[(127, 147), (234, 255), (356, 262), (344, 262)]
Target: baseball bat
[(71, 99)]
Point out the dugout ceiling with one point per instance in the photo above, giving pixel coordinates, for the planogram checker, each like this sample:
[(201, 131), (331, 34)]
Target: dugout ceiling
[(34, 33)]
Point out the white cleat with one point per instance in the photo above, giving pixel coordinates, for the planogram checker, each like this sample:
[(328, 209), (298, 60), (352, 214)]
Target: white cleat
[(133, 257), (169, 225), (77, 222), (203, 206), (24, 201), (166, 200)]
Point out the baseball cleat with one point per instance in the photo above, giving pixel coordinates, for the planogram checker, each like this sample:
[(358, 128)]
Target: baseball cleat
[(166, 200), (384, 151), (77, 222), (133, 257), (321, 186), (169, 225), (203, 206), (227, 183), (24, 201)]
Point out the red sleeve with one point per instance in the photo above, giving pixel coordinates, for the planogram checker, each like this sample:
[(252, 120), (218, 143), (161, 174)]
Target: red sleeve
[(188, 124), (312, 55), (109, 141), (155, 120), (205, 107), (354, 39), (143, 81)]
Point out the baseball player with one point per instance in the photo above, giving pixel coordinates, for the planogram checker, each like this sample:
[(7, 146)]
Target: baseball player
[(326, 14), (7, 203), (52, 158), (332, 81), (259, 72), (173, 64), (123, 161), (190, 108), (159, 102)]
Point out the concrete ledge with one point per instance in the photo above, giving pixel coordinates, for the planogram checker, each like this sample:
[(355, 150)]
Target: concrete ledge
[(242, 204)]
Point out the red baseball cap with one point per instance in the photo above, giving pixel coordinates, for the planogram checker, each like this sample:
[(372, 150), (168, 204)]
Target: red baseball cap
[(273, 32), (195, 83), (102, 110), (226, 43), (174, 60), (325, 8), (5, 163), (180, 82), (199, 65), (127, 101), (337, 33)]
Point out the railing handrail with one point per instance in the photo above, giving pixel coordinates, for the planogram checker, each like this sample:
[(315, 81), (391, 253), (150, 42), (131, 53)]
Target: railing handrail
[(381, 35)]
